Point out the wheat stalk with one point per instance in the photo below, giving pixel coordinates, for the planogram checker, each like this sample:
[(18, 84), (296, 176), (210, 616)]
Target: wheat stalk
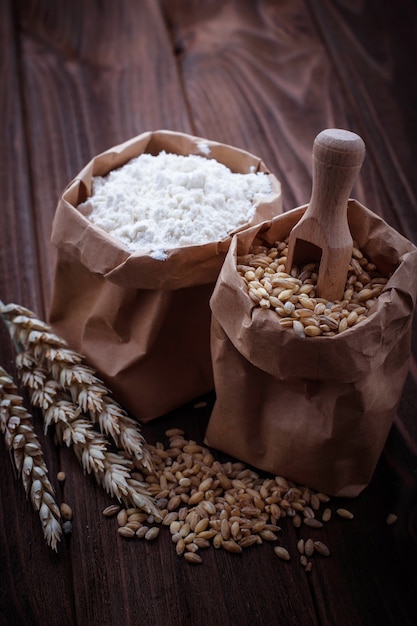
[(71, 396), (17, 427)]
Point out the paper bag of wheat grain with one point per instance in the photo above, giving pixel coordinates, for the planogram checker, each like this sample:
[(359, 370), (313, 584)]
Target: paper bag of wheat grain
[(316, 409), (141, 315)]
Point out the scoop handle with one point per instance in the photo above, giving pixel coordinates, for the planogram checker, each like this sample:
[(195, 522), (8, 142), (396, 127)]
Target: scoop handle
[(337, 159), (322, 234)]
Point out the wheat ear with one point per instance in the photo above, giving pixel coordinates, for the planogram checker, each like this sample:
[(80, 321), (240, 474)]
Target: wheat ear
[(73, 398), (17, 427), (52, 355)]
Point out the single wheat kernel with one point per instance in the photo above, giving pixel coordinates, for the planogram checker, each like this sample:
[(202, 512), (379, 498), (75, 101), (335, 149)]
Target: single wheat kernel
[(209, 507), (391, 519), (111, 510), (297, 521), (327, 514), (344, 513), (180, 546), (141, 532), (312, 331), (248, 541), (309, 547), (282, 553), (201, 525), (225, 529), (197, 497), (321, 548), (128, 533), (315, 502), (174, 527), (174, 432), (170, 517), (268, 535), (66, 511), (189, 538), (308, 512), (231, 546), (193, 557), (138, 517), (122, 517), (152, 533), (301, 546), (174, 503), (132, 510), (201, 543), (312, 522)]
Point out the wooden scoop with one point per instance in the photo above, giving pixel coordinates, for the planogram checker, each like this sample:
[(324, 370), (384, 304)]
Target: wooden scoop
[(322, 235)]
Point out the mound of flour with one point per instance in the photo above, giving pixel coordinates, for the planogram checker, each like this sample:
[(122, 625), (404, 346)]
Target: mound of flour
[(154, 203)]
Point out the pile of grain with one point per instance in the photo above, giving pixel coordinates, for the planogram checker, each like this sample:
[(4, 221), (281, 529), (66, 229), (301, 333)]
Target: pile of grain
[(206, 503), (292, 296)]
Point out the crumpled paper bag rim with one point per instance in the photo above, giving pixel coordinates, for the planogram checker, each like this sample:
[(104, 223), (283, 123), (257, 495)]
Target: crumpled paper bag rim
[(185, 266), (345, 357)]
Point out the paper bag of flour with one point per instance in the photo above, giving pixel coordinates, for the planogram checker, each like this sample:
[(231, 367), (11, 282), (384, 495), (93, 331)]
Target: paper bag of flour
[(315, 409), (142, 318)]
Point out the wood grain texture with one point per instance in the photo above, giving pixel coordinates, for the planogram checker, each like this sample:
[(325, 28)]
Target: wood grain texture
[(370, 50), (19, 277), (90, 80), (266, 76)]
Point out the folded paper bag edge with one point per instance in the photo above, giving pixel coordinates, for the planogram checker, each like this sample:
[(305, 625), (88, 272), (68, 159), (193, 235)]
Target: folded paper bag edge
[(103, 254), (311, 356)]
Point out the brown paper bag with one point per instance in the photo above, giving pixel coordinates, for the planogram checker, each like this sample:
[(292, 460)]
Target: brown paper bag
[(316, 410), (144, 324)]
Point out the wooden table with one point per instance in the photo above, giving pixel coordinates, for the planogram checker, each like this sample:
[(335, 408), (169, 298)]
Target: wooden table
[(266, 76)]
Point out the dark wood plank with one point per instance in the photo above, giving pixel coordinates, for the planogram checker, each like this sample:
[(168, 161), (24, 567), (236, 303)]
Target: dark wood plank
[(265, 79), (351, 587), (23, 598), (372, 52), (19, 276)]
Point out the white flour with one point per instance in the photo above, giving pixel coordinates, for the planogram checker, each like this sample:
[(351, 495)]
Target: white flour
[(154, 203)]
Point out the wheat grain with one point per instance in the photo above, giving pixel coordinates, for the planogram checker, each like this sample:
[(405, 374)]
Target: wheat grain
[(192, 557), (321, 548), (111, 510), (282, 553), (292, 296), (66, 511), (239, 509), (391, 519)]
